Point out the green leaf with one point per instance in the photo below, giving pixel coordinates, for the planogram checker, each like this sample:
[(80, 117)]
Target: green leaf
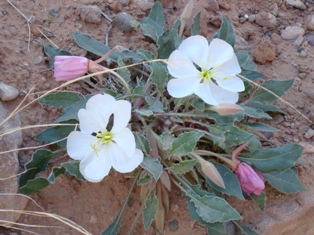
[(150, 210), (259, 126), (114, 227), (142, 142), (38, 163), (154, 104), (274, 159), (60, 99), (252, 75), (231, 182), (260, 200), (159, 76), (147, 55), (198, 104), (185, 143), (123, 72), (56, 133), (166, 140), (286, 181), (145, 179), (245, 60), (156, 14), (148, 27), (264, 107), (245, 229), (71, 111), (275, 86), (213, 209), (153, 166), (167, 43), (183, 166), (145, 112), (51, 52), (89, 44), (226, 31), (212, 228), (34, 186), (196, 25)]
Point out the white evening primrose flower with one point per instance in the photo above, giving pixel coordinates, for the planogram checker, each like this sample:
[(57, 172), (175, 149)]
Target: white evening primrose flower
[(209, 71), (102, 144)]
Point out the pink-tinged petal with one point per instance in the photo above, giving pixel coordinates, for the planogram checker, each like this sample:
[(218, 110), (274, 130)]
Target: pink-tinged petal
[(101, 107), (231, 83), (79, 145), (69, 67), (221, 95), (219, 53), (204, 92), (125, 140), (180, 66), (250, 180), (121, 115), (95, 167), (182, 87), (123, 162), (196, 49)]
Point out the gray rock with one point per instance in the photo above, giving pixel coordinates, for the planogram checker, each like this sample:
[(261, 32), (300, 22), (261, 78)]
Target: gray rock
[(8, 92), (89, 14), (267, 20), (298, 41), (310, 38), (292, 32), (303, 54), (309, 134), (38, 59), (310, 23), (296, 3), (9, 166), (124, 22)]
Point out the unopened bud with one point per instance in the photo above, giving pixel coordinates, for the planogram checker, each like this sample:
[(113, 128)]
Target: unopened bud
[(226, 108), (186, 14)]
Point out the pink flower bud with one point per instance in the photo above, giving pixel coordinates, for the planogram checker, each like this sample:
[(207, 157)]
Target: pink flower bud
[(226, 108), (70, 67), (250, 180)]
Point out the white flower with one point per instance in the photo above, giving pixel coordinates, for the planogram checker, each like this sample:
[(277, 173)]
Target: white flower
[(97, 145), (209, 71)]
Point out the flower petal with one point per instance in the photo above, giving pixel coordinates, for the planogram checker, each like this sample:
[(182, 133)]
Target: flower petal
[(232, 83), (125, 140), (219, 53), (123, 163), (79, 145), (95, 168), (196, 49), (221, 95), (229, 68), (89, 122), (101, 106), (121, 115), (182, 87), (212, 94), (180, 66)]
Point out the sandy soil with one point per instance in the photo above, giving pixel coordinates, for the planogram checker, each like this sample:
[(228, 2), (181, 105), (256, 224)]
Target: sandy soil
[(94, 206)]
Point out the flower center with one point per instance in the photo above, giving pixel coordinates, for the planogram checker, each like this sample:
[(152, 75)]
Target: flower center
[(105, 138), (206, 75)]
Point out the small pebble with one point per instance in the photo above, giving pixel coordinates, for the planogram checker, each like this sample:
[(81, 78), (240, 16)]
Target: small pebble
[(54, 12), (38, 59), (292, 32), (310, 38), (124, 22), (173, 225), (303, 54), (298, 41), (309, 134), (310, 23), (8, 92)]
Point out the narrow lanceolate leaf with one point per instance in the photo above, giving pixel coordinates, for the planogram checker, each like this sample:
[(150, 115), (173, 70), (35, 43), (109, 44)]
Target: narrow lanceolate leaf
[(213, 209), (159, 75), (286, 181), (196, 25), (114, 228), (150, 210), (167, 43), (231, 182), (277, 87), (154, 104), (274, 159), (156, 14), (260, 200), (60, 99), (153, 166), (123, 72), (185, 143), (183, 167), (226, 31), (142, 142)]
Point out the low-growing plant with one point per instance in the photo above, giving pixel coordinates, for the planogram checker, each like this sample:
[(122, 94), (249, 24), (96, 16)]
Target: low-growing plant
[(173, 119)]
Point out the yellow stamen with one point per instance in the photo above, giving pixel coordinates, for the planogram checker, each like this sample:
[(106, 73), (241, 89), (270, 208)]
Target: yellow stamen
[(105, 138)]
